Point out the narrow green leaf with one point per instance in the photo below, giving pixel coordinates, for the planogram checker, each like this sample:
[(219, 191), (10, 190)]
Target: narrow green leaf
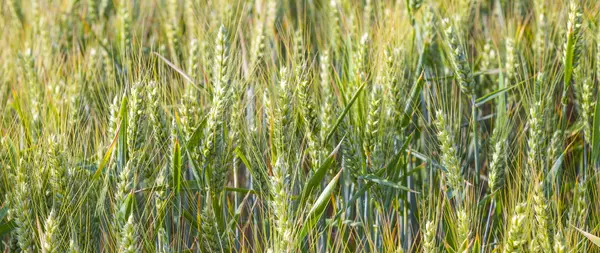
[(592, 238), (176, 166), (196, 136), (381, 181), (346, 110), (568, 60), (179, 70), (502, 100), (122, 143), (556, 166), (408, 107), (3, 212), (391, 168), (316, 211), (240, 190), (191, 219), (107, 155), (484, 99), (242, 157), (127, 206), (425, 158), (238, 212), (596, 134), (350, 202), (317, 177), (6, 227)]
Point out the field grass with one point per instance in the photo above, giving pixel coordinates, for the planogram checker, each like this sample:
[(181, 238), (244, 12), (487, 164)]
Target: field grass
[(299, 126)]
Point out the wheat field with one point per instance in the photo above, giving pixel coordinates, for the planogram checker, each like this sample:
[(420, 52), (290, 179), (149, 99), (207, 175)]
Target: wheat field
[(299, 126)]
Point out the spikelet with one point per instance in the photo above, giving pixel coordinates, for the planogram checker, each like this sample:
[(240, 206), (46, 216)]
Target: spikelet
[(283, 237), (91, 9), (258, 47), (155, 113), (449, 158), (221, 57), (163, 242), (102, 7), (306, 102), (21, 211), (206, 61), (282, 111), (237, 126), (271, 16), (51, 236), (579, 210), (214, 138), (190, 18), (511, 64), (541, 240), (534, 140), (92, 63), (574, 26), (327, 99), (34, 8), (359, 64), (136, 109), (488, 60), (587, 108), (541, 28), (396, 96), (373, 121), (497, 163), (560, 244), (391, 83), (458, 59), (299, 60), (334, 21), (58, 173), (429, 30), (350, 149), (190, 108), (128, 238), (113, 120), (431, 55), (572, 46), (172, 28), (123, 188), (214, 122), (29, 71), (45, 42), (108, 65), (193, 58), (464, 232), (555, 146), (515, 238), (209, 234), (124, 27), (310, 122), (73, 247), (429, 234)]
